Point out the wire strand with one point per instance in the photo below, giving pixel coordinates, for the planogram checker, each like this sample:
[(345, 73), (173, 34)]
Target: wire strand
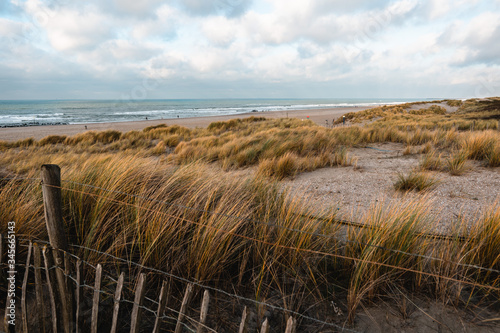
[(355, 224)]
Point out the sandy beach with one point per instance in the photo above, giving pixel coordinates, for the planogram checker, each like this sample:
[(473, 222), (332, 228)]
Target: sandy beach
[(320, 116)]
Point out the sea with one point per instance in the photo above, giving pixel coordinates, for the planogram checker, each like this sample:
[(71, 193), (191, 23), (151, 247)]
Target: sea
[(60, 112)]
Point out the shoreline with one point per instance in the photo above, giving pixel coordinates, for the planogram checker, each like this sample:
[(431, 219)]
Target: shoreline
[(319, 116)]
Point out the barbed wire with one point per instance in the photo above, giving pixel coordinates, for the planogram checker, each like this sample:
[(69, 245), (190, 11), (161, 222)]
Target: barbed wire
[(20, 178), (217, 290), (355, 224), (270, 305), (200, 210), (291, 229), (121, 300), (291, 248), (337, 221), (183, 280)]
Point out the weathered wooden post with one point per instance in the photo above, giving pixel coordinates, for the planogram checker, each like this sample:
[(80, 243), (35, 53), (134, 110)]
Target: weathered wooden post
[(184, 305), (95, 299), (203, 311), (23, 295), (40, 308), (243, 323), (51, 188), (162, 303), (116, 306), (139, 298), (291, 325)]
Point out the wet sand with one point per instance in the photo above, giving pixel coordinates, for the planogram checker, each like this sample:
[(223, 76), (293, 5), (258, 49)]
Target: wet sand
[(320, 116)]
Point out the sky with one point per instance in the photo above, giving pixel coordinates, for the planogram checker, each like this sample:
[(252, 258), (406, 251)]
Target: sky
[(167, 49)]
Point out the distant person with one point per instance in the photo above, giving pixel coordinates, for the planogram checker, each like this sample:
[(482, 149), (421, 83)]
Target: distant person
[(85, 126), (177, 116), (146, 118)]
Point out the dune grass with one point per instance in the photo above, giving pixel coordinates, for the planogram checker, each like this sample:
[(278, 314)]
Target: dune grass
[(241, 231), (415, 180), (248, 233)]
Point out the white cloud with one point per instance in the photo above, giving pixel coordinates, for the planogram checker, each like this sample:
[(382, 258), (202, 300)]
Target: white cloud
[(219, 30), (134, 7), (163, 25), (476, 40), (320, 43), (70, 29)]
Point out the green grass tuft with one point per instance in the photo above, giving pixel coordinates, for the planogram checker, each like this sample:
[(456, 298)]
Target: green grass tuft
[(415, 180)]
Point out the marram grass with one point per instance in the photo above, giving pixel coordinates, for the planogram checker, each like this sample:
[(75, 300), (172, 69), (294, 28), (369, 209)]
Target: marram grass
[(249, 233)]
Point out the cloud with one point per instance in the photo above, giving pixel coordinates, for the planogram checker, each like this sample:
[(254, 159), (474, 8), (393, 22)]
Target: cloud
[(476, 40), (70, 29), (229, 8), (293, 21), (219, 30), (163, 26), (270, 47), (134, 7)]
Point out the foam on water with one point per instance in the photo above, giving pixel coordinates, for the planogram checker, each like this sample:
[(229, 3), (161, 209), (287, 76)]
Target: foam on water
[(29, 113)]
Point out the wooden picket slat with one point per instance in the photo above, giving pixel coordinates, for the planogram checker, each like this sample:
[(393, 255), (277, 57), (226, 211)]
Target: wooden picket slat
[(78, 295), (38, 287), (23, 295), (95, 300), (139, 298), (290, 325), (265, 327), (243, 324), (49, 274), (182, 312), (203, 311), (162, 302), (116, 305)]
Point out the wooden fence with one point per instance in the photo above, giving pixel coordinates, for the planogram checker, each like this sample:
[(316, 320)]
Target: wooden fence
[(57, 287), (49, 315)]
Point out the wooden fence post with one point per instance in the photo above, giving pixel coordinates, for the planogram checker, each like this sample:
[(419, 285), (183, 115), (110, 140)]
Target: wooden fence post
[(136, 310), (78, 295), (182, 312), (291, 325), (23, 295), (49, 274), (95, 300), (116, 305), (203, 311), (162, 302), (243, 323), (265, 327), (51, 188), (40, 308)]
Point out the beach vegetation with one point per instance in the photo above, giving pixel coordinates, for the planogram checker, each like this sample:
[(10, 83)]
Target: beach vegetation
[(454, 102), (415, 180), (431, 161), (457, 163), (52, 140), (209, 204)]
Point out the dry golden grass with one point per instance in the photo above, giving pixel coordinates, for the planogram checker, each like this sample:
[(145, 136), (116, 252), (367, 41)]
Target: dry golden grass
[(415, 181), (219, 240)]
